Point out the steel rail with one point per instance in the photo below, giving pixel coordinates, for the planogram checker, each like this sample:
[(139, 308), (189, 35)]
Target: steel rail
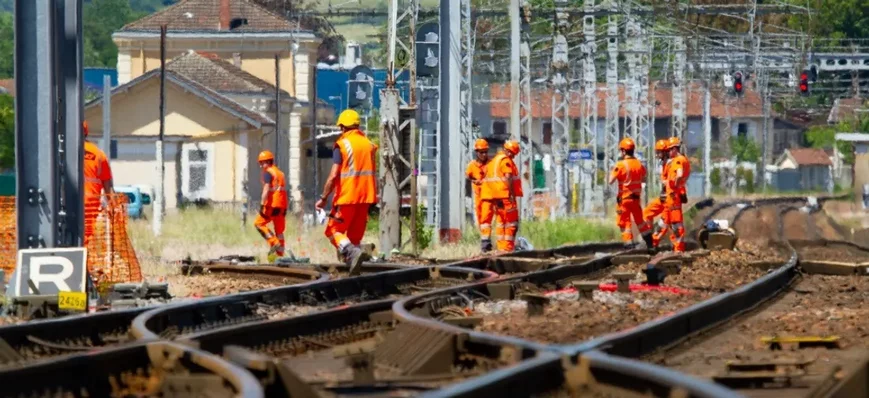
[(237, 308)]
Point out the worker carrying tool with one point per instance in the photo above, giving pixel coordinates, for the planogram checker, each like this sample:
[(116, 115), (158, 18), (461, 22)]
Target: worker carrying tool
[(678, 171), (273, 204), (630, 174), (656, 206), (475, 172), (97, 181), (501, 186), (353, 179)]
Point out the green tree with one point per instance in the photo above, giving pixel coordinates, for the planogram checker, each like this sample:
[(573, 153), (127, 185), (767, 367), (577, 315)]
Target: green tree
[(100, 19), (825, 137), (7, 45), (7, 132), (745, 149)]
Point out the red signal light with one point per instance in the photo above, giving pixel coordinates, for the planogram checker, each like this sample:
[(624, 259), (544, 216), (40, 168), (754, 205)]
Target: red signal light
[(804, 83), (738, 87)]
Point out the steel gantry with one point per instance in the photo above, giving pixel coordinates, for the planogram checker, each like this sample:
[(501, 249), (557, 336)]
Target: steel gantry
[(466, 96), (560, 110), (611, 128), (679, 118), (588, 169)]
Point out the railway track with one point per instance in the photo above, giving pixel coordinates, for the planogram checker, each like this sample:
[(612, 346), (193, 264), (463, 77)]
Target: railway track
[(329, 349), (150, 369)]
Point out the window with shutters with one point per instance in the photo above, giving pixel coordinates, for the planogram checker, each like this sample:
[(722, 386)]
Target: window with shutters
[(197, 170), (499, 128)]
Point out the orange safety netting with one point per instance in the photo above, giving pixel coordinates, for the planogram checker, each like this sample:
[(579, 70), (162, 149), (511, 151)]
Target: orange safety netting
[(111, 257)]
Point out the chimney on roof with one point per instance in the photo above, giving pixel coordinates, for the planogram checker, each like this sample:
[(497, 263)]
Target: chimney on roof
[(224, 15)]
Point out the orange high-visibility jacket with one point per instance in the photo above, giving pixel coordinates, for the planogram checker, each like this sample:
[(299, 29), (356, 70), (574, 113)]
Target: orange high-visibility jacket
[(357, 183), (475, 172), (277, 188), (495, 182), (630, 174), (674, 184), (96, 171)]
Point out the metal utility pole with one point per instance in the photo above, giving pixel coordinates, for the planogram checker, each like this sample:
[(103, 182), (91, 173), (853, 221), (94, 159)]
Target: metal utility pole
[(707, 139), (680, 61), (107, 114), (611, 139), (466, 95), (450, 122), (278, 111), (68, 69), (588, 137), (764, 142), (37, 193), (632, 85), (515, 45), (560, 109), (159, 191)]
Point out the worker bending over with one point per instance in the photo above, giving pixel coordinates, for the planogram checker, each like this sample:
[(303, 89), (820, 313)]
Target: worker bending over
[(354, 182), (678, 171), (656, 207), (273, 204), (97, 180), (475, 172), (630, 174), (501, 186)]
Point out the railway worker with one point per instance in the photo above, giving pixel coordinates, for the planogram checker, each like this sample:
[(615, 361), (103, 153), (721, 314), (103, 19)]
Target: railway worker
[(475, 172), (97, 181), (355, 184), (273, 204), (630, 174), (678, 171), (656, 206), (501, 186)]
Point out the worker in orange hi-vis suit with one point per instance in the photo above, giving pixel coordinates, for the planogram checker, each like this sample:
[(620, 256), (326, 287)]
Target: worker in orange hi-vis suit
[(97, 180), (677, 174), (630, 174), (355, 184), (273, 204), (501, 186), (656, 207), (475, 172)]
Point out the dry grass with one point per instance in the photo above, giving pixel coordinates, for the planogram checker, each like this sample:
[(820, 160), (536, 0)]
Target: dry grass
[(204, 234)]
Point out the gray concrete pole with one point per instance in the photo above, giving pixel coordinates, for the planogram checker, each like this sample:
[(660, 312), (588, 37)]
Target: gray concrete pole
[(35, 140), (515, 40), (159, 190), (450, 122), (707, 139), (390, 197)]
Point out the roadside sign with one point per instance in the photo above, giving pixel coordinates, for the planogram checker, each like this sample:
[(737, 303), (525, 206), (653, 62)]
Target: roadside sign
[(51, 270)]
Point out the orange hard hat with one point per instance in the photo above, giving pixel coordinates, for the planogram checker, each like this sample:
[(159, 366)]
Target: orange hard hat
[(265, 155), (627, 144), (481, 145), (84, 126), (512, 147), (661, 145), (673, 142)]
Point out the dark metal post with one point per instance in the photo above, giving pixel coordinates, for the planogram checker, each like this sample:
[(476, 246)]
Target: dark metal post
[(160, 193), (69, 126), (35, 110)]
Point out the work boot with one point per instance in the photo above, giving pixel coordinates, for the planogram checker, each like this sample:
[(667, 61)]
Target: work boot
[(276, 248), (354, 258), (629, 245), (486, 245), (647, 237)]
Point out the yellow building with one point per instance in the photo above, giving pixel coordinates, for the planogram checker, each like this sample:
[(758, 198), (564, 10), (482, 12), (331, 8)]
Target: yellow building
[(249, 37), (208, 138)]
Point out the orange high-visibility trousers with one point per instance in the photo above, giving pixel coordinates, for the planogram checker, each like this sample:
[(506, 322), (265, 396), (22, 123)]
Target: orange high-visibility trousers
[(674, 218), (627, 209), (346, 225), (655, 208), (278, 217), (506, 214)]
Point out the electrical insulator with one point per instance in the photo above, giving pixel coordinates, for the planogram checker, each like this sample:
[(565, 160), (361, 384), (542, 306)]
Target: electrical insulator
[(804, 83)]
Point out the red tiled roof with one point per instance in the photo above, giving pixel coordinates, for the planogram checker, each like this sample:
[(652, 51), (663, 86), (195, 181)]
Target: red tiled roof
[(810, 157), (204, 16), (8, 85), (748, 105), (844, 109), (219, 75)]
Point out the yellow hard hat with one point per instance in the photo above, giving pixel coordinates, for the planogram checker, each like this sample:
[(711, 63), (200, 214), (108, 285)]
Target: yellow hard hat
[(348, 118)]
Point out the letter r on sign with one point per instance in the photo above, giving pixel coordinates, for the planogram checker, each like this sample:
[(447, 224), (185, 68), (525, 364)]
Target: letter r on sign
[(58, 279)]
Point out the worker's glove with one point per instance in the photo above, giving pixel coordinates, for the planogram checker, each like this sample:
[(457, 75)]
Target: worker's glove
[(262, 211), (619, 200), (683, 198), (663, 196)]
